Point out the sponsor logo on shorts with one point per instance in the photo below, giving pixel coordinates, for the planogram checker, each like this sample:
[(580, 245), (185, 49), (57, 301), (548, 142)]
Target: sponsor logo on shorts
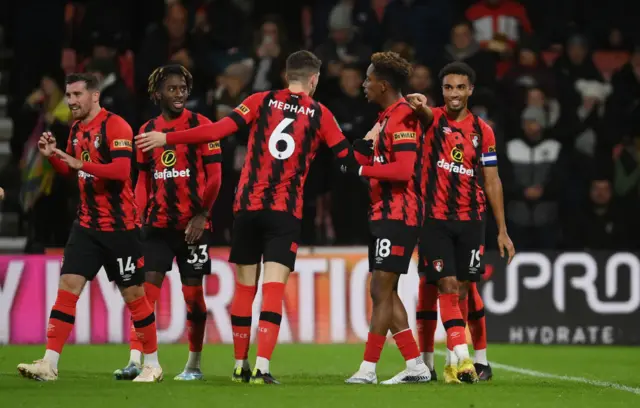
[(438, 265)]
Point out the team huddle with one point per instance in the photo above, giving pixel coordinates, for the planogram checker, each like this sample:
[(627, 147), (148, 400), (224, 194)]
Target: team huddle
[(431, 172)]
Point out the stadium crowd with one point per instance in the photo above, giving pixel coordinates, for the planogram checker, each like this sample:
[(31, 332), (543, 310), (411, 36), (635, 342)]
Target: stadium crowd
[(559, 81)]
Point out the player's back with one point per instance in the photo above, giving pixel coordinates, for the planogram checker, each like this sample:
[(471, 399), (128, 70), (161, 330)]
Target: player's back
[(285, 133)]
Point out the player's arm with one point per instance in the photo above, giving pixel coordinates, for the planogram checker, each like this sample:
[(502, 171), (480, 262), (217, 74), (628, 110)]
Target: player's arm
[(120, 140), (493, 190), (418, 103), (142, 185), (57, 163), (363, 151), (243, 115), (405, 131), (212, 158), (340, 147)]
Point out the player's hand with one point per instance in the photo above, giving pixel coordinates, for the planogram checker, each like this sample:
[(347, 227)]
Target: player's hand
[(373, 133), (195, 228), (151, 140), (71, 161), (1, 193), (47, 144), (505, 245), (417, 101)]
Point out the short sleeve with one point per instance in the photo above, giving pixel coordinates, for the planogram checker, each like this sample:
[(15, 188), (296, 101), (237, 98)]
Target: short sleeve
[(489, 157), (211, 151), (120, 137), (404, 128), (245, 113)]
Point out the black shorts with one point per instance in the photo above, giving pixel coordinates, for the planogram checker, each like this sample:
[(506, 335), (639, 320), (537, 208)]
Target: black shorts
[(161, 245), (88, 250), (391, 246), (270, 236), (451, 248)]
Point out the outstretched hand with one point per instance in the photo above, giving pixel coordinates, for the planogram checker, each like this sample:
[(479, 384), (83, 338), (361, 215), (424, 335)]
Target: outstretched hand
[(150, 140)]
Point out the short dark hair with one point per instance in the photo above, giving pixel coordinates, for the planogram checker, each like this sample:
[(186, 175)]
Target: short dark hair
[(89, 80), (302, 64), (464, 22), (160, 74), (458, 68), (391, 67)]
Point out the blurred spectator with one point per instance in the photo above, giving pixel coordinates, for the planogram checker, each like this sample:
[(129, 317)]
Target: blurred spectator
[(271, 49), (465, 48), (627, 174), (529, 71), (368, 17), (574, 64), (342, 47), (114, 95), (532, 180), (401, 47), (170, 42), (421, 81), (622, 106), (599, 226), (498, 26)]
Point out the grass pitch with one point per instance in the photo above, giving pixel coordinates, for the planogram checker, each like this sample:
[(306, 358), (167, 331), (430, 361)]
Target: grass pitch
[(313, 376)]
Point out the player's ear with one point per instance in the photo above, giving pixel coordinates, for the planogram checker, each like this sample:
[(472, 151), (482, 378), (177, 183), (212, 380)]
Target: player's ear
[(471, 87), (95, 97)]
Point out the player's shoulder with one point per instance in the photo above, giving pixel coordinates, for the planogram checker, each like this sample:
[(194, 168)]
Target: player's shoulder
[(201, 119), (486, 128), (115, 120)]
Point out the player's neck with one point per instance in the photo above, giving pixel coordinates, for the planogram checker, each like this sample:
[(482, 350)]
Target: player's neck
[(95, 110), (168, 116), (457, 116), (390, 99), (296, 87)]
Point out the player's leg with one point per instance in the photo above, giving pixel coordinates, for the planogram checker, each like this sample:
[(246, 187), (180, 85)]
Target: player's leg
[(158, 258), (416, 370), (194, 263), (124, 264), (438, 254), (80, 263), (246, 253), (469, 250), (281, 237), (478, 329), (427, 308), (427, 322)]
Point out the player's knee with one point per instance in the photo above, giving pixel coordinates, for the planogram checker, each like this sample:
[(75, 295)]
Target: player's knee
[(191, 281), (248, 275), (463, 290), (132, 293), (72, 283), (154, 278), (448, 285), (275, 272)]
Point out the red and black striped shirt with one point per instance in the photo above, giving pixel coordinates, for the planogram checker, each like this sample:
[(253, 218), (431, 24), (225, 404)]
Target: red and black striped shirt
[(105, 204), (176, 175), (286, 130), (455, 154), (401, 131)]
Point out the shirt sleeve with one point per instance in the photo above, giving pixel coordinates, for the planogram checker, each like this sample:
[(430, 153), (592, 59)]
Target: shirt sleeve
[(211, 152), (120, 138), (404, 130), (488, 157), (331, 134), (245, 113)]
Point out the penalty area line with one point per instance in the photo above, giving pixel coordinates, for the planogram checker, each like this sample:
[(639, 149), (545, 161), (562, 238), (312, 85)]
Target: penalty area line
[(540, 374)]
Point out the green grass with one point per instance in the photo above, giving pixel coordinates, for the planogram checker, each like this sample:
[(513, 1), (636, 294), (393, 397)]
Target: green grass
[(313, 376)]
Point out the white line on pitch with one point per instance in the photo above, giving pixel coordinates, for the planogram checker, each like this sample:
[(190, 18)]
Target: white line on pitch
[(540, 374)]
